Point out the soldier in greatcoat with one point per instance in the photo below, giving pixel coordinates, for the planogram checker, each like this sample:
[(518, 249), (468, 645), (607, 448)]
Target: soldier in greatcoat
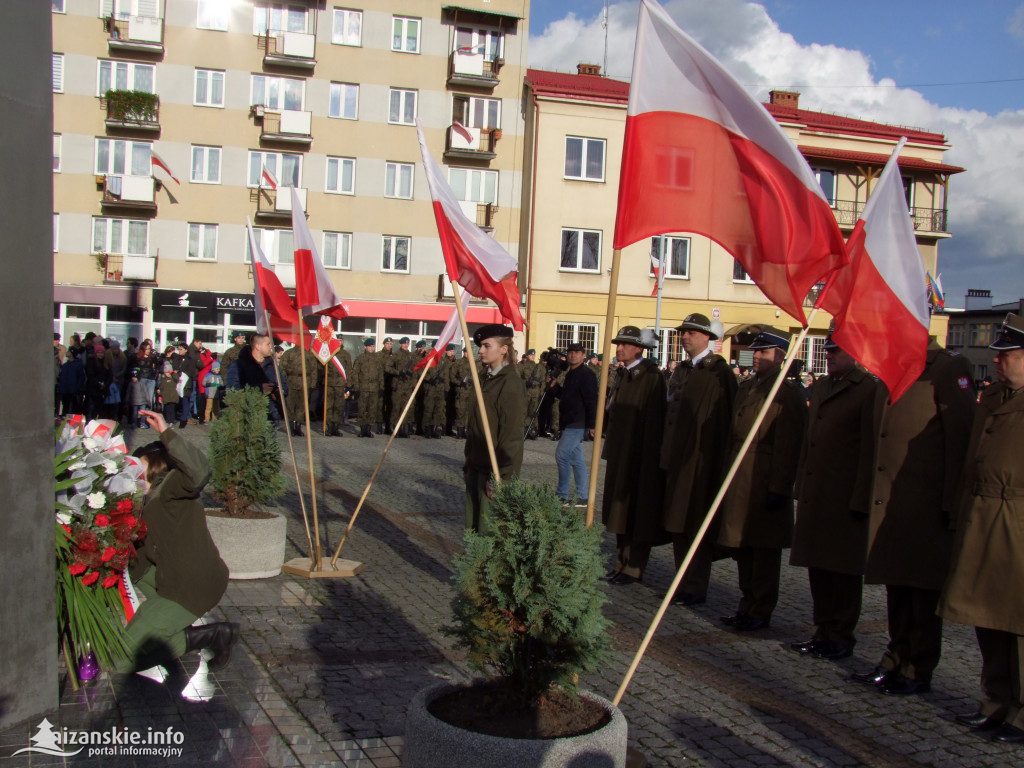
[(922, 439), (984, 586), (694, 452), (634, 483), (833, 498), (757, 511)]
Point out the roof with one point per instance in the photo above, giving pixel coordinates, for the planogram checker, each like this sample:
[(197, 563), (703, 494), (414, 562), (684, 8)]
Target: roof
[(838, 124), (872, 158), (583, 87), (483, 11)]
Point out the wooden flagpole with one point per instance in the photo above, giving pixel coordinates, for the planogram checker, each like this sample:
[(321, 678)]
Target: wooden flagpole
[(391, 439), (326, 374)]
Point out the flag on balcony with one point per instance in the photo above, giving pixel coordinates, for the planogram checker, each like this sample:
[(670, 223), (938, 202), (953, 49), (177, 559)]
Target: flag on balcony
[(450, 334), (158, 161), (700, 155), (464, 132), (269, 177), (474, 260), (271, 299), (314, 293), (936, 296), (879, 299)]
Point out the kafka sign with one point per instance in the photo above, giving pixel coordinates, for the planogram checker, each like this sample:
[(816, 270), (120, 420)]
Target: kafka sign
[(206, 307)]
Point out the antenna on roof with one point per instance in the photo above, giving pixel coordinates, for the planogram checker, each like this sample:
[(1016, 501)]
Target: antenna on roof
[(605, 25)]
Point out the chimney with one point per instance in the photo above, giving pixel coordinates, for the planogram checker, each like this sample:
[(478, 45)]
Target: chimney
[(977, 299), (588, 69), (784, 99)]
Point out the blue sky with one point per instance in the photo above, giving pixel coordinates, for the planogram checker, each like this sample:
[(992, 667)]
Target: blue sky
[(925, 64)]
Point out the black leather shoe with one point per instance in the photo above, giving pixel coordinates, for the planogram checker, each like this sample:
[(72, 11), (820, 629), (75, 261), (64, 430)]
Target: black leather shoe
[(730, 621), (1008, 734), (750, 624), (808, 646), (979, 722), (611, 574), (622, 579), (874, 677), (219, 638), (901, 685), (831, 651)]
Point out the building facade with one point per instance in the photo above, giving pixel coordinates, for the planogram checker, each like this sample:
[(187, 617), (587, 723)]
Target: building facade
[(972, 329)]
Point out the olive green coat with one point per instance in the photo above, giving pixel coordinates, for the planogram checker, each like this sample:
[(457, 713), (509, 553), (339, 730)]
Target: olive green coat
[(505, 401), (291, 369), (984, 586), (917, 489)]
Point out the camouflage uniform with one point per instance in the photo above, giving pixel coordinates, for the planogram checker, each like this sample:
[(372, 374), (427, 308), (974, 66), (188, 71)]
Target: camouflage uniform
[(386, 406), (400, 366), (334, 391), (367, 378), (556, 424), (291, 370), (463, 379), (532, 374), (435, 388)]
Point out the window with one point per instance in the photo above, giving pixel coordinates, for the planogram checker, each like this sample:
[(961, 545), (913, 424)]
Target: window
[(739, 274), (581, 250), (125, 76), (812, 352), (56, 231), (120, 236), (58, 73), (57, 6), (398, 180), (277, 92), (908, 191), (209, 88), (278, 18), (405, 35), (123, 158), (344, 101), (584, 158), (338, 250), (485, 41), (213, 14), (348, 27), (981, 334), (206, 165), (396, 254), (674, 254), (956, 336), (276, 244), (403, 107), (474, 112), (56, 152), (202, 241), (341, 175), (474, 186), (287, 168), (576, 333), (826, 178)]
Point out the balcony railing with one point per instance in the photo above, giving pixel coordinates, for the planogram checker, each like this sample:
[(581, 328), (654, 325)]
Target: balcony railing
[(473, 68), (472, 143), (134, 110), (924, 219), (125, 267), (136, 192), (288, 49), (141, 34), (288, 126), (272, 203), (484, 214)]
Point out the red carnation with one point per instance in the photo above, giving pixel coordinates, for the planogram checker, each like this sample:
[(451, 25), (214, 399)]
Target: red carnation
[(141, 534), (76, 569), (87, 541), (110, 581), (102, 520), (124, 506), (120, 560), (108, 553), (90, 579), (67, 529)]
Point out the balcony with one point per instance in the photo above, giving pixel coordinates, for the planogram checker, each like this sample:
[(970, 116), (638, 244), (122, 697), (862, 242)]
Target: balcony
[(473, 69), (296, 50), (287, 126), (471, 143), (126, 268), (135, 34), (132, 110), (136, 193), (483, 214), (925, 220), (275, 203)]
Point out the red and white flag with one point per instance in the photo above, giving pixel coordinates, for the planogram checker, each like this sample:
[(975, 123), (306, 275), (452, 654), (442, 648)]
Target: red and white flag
[(450, 334), (474, 260), (322, 343), (880, 301), (269, 177), (158, 161), (314, 293), (656, 266), (271, 299), (460, 129), (700, 155)]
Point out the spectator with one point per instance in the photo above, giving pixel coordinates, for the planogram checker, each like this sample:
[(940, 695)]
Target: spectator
[(71, 384), (213, 385)]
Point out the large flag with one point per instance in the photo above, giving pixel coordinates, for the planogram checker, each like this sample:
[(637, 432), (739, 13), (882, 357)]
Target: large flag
[(450, 334), (474, 260), (880, 300), (314, 294), (271, 299), (701, 155), (156, 160), (323, 344)]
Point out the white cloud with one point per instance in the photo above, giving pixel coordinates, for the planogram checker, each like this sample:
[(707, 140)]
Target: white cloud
[(985, 203)]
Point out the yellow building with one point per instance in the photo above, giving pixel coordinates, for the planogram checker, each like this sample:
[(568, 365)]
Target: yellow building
[(321, 96), (574, 134)]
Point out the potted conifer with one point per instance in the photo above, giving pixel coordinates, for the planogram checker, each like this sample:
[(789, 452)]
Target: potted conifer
[(528, 611), (246, 477)]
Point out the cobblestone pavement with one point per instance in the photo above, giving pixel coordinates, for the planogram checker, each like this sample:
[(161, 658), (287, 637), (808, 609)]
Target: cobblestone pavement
[(326, 667)]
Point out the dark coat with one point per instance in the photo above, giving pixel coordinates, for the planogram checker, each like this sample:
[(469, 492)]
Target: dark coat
[(833, 487), (696, 443), (189, 570), (505, 400), (634, 485), (922, 441), (577, 398), (250, 373), (984, 585), (770, 466)]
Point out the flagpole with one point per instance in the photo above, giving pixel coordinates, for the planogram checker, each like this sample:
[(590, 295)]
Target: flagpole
[(476, 383), (366, 491), (660, 280), (315, 556), (326, 373), (602, 387)]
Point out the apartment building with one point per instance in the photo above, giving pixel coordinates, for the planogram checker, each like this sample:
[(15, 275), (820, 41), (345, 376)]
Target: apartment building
[(574, 135), (175, 119), (974, 327)]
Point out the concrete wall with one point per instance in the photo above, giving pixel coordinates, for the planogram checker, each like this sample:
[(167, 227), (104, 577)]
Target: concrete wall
[(28, 636)]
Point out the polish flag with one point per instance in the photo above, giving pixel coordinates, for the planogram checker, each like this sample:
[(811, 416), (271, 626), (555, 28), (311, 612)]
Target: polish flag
[(271, 299), (474, 260), (158, 161), (314, 294), (460, 129), (268, 177), (700, 155), (880, 300), (656, 266), (450, 334)]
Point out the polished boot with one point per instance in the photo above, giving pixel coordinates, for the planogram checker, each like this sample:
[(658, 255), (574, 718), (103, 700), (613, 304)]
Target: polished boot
[(219, 638), (531, 435), (979, 722), (380, 428), (403, 431), (297, 429), (1008, 734), (874, 677), (901, 685), (438, 432), (364, 431)]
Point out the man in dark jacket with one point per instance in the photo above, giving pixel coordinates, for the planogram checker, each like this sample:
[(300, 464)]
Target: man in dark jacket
[(255, 369), (577, 397)]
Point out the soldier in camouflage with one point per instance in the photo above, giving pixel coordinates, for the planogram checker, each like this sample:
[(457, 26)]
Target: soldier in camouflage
[(403, 379), (367, 380), (463, 380), (384, 353), (435, 392), (334, 391), (532, 375), (291, 369)]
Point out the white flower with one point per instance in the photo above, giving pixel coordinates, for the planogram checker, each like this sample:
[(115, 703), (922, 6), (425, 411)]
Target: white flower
[(96, 500), (77, 465), (90, 444), (110, 467), (64, 518)]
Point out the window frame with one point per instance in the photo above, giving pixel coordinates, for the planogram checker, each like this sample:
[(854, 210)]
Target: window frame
[(54, 9), (220, 16), (575, 334), (129, 147), (205, 149), (481, 36), (581, 233), (125, 236), (284, 10), (281, 79), (56, 231), (468, 116), (58, 146), (277, 170), (342, 161), (201, 240), (668, 242), (133, 68), (746, 279), (57, 73), (342, 88), (395, 187), (273, 256), (344, 12), (405, 21), (584, 176), (403, 96), (818, 171), (341, 237), (484, 173), (209, 87), (389, 253)]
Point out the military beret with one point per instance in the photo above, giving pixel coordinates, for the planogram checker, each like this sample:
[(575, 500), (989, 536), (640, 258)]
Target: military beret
[(369, 343), (491, 331), (1011, 335), (697, 322), (236, 333), (421, 344), (404, 340), (386, 340), (600, 358), (450, 348), (531, 351)]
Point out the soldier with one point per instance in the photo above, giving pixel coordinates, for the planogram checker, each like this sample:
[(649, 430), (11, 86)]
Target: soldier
[(920, 451), (557, 366), (435, 386), (833, 501), (984, 585), (463, 379), (451, 390), (291, 369), (634, 483), (334, 391), (419, 352), (346, 362), (367, 380), (757, 512), (594, 363), (532, 375), (698, 421), (400, 365), (385, 355), (227, 360)]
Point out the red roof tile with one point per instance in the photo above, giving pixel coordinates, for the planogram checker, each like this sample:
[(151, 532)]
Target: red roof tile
[(590, 87), (839, 124), (871, 158)]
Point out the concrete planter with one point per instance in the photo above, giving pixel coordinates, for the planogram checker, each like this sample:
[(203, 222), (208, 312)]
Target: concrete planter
[(433, 743), (252, 549)]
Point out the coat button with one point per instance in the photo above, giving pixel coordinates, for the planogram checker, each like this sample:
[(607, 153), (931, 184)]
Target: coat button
[(878, 502)]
